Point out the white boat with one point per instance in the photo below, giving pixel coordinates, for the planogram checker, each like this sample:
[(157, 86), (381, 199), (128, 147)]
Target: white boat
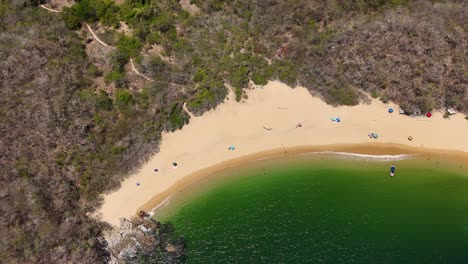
[(392, 170)]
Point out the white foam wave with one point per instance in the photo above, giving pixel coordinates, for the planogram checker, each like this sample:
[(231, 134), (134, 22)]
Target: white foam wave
[(396, 157), (160, 204)]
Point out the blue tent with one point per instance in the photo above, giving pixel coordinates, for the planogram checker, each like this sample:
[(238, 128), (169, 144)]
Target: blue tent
[(390, 110)]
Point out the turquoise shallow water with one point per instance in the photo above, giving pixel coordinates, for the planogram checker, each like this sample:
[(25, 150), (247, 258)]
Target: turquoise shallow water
[(334, 211)]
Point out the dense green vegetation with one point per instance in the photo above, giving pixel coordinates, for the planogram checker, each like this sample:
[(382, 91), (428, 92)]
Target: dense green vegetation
[(67, 137), (338, 48)]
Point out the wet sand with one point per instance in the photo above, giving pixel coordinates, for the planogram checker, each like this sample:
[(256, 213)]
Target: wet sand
[(201, 147)]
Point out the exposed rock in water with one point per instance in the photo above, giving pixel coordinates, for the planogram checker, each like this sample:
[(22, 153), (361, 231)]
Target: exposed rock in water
[(144, 240)]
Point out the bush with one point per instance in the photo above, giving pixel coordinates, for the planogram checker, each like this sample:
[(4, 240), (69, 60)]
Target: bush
[(199, 75), (118, 150), (129, 46), (123, 99), (259, 79), (118, 78), (103, 101), (154, 38), (238, 93), (93, 71), (71, 18), (384, 98), (239, 77), (118, 60), (177, 117), (344, 95), (162, 23), (426, 103), (286, 72)]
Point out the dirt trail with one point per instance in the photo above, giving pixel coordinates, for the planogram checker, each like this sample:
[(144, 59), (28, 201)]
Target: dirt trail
[(134, 69), (184, 107), (137, 72), (96, 37), (50, 9)]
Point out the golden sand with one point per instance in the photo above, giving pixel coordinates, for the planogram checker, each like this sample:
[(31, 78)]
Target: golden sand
[(201, 147)]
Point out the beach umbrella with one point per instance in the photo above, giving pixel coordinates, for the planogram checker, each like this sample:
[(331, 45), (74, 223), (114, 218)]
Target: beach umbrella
[(338, 119), (333, 119), (429, 114), (174, 164), (390, 110), (376, 135), (410, 138), (232, 148)]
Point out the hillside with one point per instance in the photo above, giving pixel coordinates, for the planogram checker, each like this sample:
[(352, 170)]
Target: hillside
[(77, 116)]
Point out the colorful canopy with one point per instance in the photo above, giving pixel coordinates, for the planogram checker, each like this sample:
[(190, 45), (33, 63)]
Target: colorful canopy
[(429, 114), (390, 110)]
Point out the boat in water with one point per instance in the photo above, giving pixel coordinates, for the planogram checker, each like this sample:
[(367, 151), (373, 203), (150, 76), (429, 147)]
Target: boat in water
[(392, 170)]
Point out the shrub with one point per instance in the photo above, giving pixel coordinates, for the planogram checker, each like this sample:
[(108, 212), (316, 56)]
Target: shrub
[(238, 93), (103, 101), (239, 77), (384, 98), (123, 98), (426, 103), (118, 150), (129, 46), (259, 79), (285, 72), (118, 78), (94, 71), (162, 23), (71, 18), (177, 117), (199, 75), (344, 95), (154, 38)]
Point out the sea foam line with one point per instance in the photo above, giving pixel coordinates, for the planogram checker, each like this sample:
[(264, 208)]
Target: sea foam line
[(396, 157), (160, 204)]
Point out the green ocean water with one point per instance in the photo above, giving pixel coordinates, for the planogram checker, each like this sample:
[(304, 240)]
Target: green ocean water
[(329, 210)]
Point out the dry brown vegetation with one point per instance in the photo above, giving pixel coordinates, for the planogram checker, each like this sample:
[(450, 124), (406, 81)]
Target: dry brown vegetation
[(74, 120)]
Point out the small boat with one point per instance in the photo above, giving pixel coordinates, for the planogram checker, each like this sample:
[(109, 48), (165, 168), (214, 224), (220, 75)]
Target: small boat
[(392, 170)]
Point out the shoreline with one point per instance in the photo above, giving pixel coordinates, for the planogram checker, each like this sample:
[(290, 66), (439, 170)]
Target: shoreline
[(204, 142), (378, 152)]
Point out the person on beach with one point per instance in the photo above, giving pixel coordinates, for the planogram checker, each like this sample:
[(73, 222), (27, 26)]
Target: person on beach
[(299, 125)]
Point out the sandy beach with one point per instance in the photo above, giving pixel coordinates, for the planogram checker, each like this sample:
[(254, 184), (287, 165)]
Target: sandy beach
[(265, 125)]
